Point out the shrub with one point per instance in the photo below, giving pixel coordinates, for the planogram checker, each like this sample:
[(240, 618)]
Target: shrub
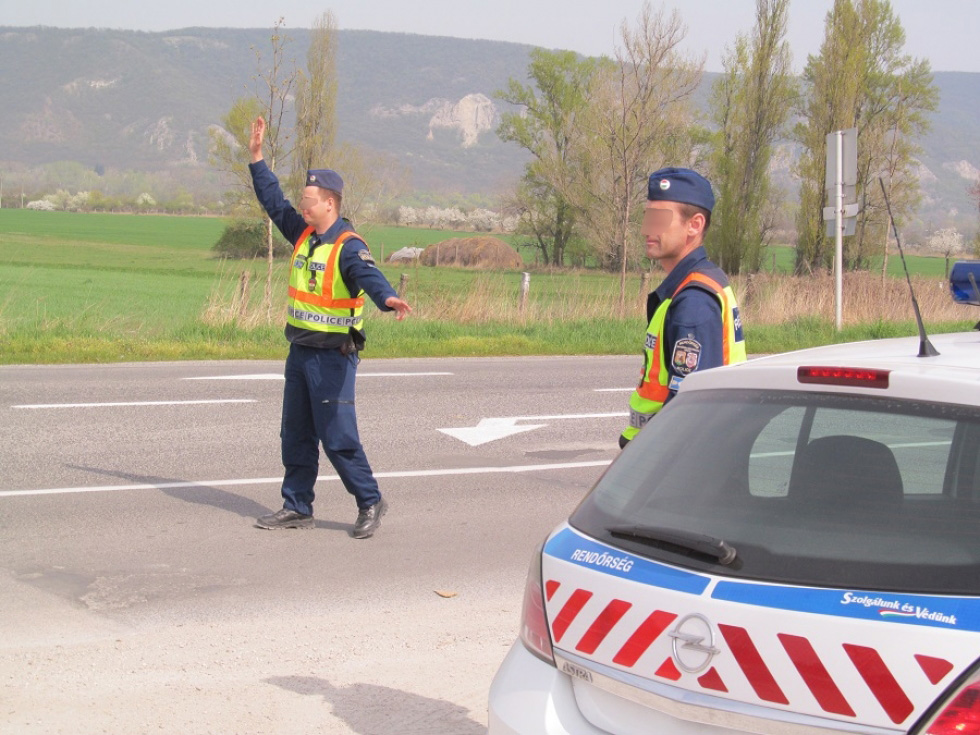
[(245, 239)]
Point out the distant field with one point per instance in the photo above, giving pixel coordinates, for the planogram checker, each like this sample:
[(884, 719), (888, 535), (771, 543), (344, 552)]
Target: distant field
[(102, 287)]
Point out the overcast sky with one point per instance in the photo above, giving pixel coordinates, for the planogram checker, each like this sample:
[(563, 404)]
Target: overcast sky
[(943, 31)]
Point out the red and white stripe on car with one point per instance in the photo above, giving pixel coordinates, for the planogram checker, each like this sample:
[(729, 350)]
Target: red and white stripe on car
[(838, 654)]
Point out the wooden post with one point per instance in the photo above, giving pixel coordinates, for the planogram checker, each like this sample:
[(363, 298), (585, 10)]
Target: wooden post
[(644, 289), (525, 287), (243, 287), (402, 283)]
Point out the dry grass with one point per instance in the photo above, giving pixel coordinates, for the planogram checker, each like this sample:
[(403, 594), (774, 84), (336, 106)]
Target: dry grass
[(492, 297), (240, 301), (867, 298)]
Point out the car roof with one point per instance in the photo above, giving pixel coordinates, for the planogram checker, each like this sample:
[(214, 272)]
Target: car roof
[(952, 376)]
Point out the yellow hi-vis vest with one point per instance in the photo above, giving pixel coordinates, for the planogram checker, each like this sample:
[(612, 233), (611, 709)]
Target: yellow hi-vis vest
[(654, 390), (319, 300)]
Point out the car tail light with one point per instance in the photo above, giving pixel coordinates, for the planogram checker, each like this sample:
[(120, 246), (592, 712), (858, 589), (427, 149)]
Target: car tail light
[(958, 713), (858, 377), (534, 619)]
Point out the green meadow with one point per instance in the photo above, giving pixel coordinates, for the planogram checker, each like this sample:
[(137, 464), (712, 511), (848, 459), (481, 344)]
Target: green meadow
[(89, 287)]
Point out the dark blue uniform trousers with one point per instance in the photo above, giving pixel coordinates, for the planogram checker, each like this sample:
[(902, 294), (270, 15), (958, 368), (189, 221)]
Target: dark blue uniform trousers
[(318, 408)]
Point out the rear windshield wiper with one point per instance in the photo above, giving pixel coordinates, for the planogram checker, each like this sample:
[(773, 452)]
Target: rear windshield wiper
[(716, 548)]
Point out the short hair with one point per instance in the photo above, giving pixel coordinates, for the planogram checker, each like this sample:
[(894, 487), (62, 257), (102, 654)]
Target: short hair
[(331, 194), (689, 210)]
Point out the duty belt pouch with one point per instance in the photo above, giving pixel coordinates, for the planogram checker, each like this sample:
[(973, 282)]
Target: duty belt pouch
[(354, 343)]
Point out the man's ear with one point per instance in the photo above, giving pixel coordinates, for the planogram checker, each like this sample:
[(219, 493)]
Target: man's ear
[(695, 225)]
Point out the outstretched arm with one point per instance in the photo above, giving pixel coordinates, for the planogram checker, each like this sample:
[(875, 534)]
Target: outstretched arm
[(400, 306)]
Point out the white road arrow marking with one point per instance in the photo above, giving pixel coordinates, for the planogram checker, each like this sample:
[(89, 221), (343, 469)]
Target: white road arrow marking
[(491, 429)]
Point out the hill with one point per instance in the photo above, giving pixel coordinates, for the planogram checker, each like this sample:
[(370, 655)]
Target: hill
[(145, 101)]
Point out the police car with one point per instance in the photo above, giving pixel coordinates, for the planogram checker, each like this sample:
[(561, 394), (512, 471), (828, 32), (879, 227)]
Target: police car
[(791, 546)]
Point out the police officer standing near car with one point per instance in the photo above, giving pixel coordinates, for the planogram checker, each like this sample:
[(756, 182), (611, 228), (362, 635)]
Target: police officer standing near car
[(693, 317), (331, 271)]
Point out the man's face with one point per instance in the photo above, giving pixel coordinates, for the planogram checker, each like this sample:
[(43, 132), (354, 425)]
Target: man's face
[(669, 237), (315, 206)]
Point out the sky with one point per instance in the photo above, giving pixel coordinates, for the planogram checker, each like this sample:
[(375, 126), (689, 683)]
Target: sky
[(942, 31)]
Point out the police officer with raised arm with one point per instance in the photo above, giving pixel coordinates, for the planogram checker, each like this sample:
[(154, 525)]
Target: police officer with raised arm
[(332, 270)]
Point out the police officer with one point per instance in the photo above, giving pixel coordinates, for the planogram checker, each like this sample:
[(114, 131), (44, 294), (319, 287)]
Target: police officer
[(331, 271), (694, 322)]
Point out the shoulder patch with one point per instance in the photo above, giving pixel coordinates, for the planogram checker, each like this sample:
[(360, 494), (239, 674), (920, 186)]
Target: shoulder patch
[(365, 255), (687, 355)]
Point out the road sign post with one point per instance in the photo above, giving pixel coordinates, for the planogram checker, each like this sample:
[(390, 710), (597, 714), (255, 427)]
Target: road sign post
[(841, 215)]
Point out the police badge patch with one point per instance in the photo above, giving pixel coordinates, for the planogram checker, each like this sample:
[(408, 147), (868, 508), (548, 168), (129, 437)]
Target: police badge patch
[(366, 256), (687, 354)]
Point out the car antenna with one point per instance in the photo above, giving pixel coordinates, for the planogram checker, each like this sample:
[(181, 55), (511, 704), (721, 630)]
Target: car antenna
[(925, 346)]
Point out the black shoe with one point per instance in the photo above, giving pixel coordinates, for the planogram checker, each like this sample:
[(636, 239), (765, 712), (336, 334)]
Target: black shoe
[(284, 518), (368, 519)]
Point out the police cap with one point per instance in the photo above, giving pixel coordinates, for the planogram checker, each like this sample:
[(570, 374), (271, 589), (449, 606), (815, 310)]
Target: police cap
[(325, 179), (680, 185)]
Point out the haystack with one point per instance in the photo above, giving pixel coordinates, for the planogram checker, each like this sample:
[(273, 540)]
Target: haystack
[(473, 252)]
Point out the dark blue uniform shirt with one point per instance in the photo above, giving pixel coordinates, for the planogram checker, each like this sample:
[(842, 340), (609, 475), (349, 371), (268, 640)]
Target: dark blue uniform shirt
[(693, 327), (359, 272)]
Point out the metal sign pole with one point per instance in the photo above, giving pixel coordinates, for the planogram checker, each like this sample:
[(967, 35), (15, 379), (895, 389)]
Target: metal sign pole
[(839, 229)]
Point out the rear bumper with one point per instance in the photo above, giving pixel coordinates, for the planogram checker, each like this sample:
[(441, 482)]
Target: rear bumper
[(530, 697)]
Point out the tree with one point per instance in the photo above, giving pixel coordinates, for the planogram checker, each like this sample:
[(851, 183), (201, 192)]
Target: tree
[(975, 195), (862, 80), (638, 119), (751, 103), (271, 97), (948, 242), (316, 102), (229, 154), (546, 126), (371, 179), (545, 217)]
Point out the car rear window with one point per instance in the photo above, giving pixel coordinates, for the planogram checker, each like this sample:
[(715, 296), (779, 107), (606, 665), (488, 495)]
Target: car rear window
[(808, 488)]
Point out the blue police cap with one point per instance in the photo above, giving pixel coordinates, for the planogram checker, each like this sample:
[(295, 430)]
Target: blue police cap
[(680, 185), (325, 179)]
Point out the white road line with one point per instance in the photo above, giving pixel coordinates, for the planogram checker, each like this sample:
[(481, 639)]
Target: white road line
[(277, 376), (135, 403), (321, 478)]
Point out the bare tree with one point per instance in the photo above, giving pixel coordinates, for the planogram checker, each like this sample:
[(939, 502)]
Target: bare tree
[(274, 89), (372, 181), (271, 96), (638, 119)]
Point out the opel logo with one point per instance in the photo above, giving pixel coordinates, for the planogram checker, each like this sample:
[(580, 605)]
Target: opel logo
[(693, 643)]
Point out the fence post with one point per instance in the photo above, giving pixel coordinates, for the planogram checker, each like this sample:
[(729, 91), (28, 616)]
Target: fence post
[(402, 283), (644, 288), (243, 283), (525, 287)]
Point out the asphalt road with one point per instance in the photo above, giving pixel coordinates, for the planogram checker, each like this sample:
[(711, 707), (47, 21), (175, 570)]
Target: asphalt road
[(136, 596)]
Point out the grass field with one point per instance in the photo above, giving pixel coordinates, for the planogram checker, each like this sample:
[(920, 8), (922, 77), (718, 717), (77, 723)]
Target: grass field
[(104, 288)]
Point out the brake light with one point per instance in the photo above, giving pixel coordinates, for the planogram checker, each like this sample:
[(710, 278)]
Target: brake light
[(534, 621), (959, 714), (861, 377)]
